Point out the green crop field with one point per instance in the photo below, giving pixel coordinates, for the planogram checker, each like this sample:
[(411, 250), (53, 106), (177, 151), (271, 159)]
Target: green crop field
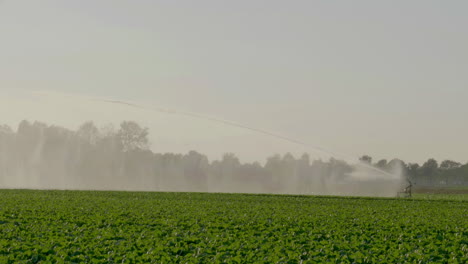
[(130, 227), (442, 196)]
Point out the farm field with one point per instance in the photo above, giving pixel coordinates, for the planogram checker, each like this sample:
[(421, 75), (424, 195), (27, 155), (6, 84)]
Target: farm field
[(441, 196), (138, 227)]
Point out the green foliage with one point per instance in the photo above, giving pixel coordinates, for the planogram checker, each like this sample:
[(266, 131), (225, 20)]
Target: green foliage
[(442, 196), (126, 227)]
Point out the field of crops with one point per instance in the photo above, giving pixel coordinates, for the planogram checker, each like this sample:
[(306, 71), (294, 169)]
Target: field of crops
[(441, 196), (126, 227)]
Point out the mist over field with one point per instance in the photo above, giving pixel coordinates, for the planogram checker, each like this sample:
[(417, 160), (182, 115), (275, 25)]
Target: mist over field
[(40, 156), (121, 155)]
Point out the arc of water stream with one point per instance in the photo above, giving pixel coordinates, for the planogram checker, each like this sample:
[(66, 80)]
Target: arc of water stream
[(221, 121), (238, 125)]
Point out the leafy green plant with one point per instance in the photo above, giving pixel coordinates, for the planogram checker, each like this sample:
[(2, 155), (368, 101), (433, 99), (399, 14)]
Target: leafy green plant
[(129, 227)]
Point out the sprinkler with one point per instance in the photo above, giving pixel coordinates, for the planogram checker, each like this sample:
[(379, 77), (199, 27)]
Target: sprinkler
[(406, 192)]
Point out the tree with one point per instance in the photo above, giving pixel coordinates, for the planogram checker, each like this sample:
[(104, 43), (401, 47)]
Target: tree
[(430, 165), (88, 132), (338, 169), (463, 175), (429, 170), (366, 159), (413, 167), (381, 164), (133, 137), (303, 174), (230, 160), (413, 172), (274, 166), (288, 165), (449, 164), (196, 170), (449, 171), (397, 166)]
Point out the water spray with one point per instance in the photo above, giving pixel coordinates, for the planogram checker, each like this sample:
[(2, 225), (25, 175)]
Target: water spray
[(219, 121)]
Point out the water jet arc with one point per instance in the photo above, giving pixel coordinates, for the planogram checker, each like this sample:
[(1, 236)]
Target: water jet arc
[(238, 125)]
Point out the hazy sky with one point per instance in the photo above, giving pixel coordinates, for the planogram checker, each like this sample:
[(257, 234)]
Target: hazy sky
[(386, 78)]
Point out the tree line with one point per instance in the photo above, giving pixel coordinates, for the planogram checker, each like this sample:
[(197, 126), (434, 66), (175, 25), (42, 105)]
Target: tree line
[(430, 174), (37, 155)]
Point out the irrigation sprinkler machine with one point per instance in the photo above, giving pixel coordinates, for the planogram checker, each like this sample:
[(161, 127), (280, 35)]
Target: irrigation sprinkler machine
[(406, 192)]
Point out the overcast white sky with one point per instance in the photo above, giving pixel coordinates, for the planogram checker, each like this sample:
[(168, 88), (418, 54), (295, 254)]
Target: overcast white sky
[(386, 78)]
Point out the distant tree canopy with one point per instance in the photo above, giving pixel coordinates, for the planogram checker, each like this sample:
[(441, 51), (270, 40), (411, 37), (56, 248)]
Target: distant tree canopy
[(429, 174), (38, 155), (132, 136), (450, 165), (366, 159)]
